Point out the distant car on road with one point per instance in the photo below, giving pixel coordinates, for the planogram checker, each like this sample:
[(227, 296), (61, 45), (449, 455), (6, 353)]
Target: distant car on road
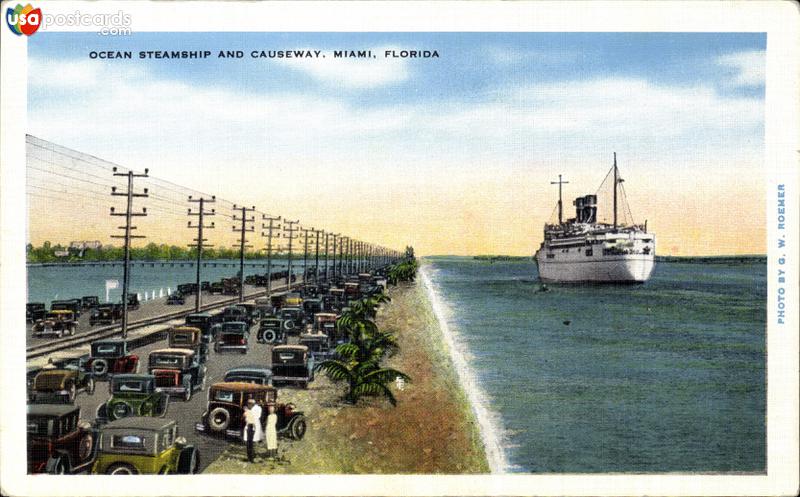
[(111, 357), (177, 371), (292, 364), (270, 330), (205, 322), (292, 318), (73, 305), (89, 302), (105, 314), (176, 298), (189, 338), (58, 441), (61, 383), (34, 311), (133, 446), (55, 323), (232, 336), (260, 375), (133, 301), (132, 395)]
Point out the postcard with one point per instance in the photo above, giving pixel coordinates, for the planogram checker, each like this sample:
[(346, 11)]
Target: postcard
[(399, 248)]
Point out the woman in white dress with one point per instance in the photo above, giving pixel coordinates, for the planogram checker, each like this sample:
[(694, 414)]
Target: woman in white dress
[(252, 415), (272, 431)]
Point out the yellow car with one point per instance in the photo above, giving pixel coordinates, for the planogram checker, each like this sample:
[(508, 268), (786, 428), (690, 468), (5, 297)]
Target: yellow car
[(132, 446)]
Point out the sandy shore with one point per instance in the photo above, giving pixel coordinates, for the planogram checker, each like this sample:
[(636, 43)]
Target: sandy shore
[(432, 429)]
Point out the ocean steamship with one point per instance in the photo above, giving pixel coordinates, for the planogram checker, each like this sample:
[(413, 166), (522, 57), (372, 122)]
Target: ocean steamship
[(585, 250)]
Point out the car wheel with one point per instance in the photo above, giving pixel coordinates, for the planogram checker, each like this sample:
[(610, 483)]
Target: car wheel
[(188, 461), (297, 427), (100, 367), (58, 466), (90, 386), (270, 336), (218, 419), (122, 468)]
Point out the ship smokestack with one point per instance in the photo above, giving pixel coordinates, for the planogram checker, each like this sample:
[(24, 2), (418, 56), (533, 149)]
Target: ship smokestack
[(579, 212), (590, 209)]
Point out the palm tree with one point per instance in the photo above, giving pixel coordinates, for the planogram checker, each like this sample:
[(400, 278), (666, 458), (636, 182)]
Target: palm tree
[(363, 378)]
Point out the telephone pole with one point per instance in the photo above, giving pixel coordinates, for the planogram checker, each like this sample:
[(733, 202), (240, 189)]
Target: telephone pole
[(305, 253), (560, 204), (243, 229), (344, 243), (129, 214), (270, 228), (200, 245), (291, 234), (335, 236), (316, 254)]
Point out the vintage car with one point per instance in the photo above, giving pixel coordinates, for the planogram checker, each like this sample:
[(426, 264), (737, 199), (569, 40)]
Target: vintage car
[(205, 286), (251, 311), (73, 305), (110, 357), (232, 336), (292, 318), (60, 383), (205, 322), (216, 288), (312, 306), (230, 286), (264, 306), (133, 395), (34, 311), (325, 322), (226, 401), (234, 313), (270, 330), (260, 375), (58, 441), (135, 445), (351, 290), (276, 301), (190, 338), (133, 301), (55, 323), (292, 299), (319, 345), (187, 288), (176, 298), (105, 314), (177, 371), (292, 364), (89, 302)]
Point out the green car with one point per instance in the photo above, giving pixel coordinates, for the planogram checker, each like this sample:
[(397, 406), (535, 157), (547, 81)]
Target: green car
[(134, 446), (133, 395)]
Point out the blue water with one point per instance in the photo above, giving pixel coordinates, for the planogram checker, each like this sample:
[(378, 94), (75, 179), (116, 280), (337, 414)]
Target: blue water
[(665, 376), (47, 283)]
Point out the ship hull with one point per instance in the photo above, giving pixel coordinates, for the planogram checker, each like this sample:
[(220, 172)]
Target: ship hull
[(629, 268)]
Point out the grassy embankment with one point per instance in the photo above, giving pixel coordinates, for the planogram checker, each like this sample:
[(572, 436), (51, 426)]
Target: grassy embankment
[(432, 429)]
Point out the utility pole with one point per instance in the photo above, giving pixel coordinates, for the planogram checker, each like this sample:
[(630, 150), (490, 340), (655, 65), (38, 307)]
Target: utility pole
[(290, 233), (270, 228), (616, 180), (344, 261), (316, 254), (327, 235), (335, 236), (560, 204), (243, 241), (127, 236), (305, 253), (200, 241)]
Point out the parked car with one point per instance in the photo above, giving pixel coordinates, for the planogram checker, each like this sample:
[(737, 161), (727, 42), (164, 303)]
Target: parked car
[(133, 395), (225, 412), (176, 298), (351, 290), (34, 311), (270, 330), (216, 288), (73, 305), (251, 311), (260, 375), (187, 288), (112, 357), (55, 323), (276, 301), (319, 345), (205, 322), (132, 446), (292, 319), (292, 364), (230, 286), (234, 313), (190, 338), (133, 301), (312, 306), (293, 299), (325, 322), (264, 306), (105, 314), (58, 441), (205, 286), (232, 336), (89, 302), (55, 384), (177, 371)]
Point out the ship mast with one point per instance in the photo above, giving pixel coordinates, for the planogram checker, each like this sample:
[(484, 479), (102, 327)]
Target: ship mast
[(615, 190), (560, 204)]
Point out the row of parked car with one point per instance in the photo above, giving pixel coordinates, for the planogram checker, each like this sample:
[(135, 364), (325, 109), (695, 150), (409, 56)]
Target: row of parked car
[(62, 318), (131, 433)]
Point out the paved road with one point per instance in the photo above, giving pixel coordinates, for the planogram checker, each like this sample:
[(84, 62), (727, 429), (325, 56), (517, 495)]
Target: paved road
[(188, 413)]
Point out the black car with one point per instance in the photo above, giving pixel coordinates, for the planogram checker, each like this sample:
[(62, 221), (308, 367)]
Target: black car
[(176, 298), (292, 364), (187, 288), (236, 313), (270, 330), (205, 286), (73, 305), (292, 318), (260, 375), (89, 302), (216, 288), (105, 314), (34, 311), (312, 306), (205, 322), (133, 301)]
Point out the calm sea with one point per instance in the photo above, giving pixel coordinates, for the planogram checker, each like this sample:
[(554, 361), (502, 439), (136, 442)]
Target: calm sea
[(668, 376)]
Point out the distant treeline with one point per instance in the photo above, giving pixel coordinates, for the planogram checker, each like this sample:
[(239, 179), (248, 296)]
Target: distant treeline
[(493, 258), (151, 252), (713, 259)]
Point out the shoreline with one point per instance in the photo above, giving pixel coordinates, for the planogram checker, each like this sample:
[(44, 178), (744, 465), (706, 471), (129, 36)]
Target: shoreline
[(433, 429)]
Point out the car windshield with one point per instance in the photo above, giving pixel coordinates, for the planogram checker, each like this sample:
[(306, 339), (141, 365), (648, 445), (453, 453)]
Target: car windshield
[(102, 350), (286, 356), (183, 338), (129, 386), (244, 378), (224, 396), (233, 327), (166, 360), (289, 313)]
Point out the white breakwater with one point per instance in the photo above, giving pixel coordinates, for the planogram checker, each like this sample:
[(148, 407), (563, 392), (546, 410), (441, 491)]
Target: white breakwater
[(489, 423)]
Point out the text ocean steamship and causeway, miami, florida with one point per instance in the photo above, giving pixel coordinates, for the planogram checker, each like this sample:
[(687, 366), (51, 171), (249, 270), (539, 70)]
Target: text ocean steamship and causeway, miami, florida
[(266, 54)]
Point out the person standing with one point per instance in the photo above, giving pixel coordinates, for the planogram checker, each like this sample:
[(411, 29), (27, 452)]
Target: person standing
[(252, 427), (272, 431)]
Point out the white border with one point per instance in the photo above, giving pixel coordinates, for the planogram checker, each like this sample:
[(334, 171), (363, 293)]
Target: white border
[(778, 19)]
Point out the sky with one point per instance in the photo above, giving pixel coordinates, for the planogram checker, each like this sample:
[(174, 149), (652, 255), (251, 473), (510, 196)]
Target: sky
[(453, 155)]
